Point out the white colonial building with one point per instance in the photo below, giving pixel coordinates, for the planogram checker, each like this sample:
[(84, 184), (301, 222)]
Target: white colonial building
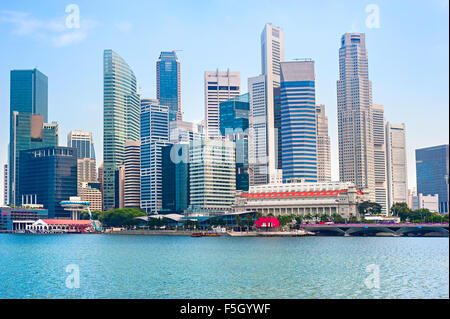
[(302, 199)]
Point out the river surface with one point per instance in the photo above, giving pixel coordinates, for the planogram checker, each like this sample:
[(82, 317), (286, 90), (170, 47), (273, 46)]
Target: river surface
[(139, 266)]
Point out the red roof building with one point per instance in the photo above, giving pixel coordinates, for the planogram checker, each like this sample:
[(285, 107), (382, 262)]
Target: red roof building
[(267, 222)]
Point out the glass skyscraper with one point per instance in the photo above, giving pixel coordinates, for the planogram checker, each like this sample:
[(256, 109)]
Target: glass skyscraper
[(432, 173), (298, 121), (50, 175), (120, 119), (234, 114), (154, 136), (168, 87), (28, 117)]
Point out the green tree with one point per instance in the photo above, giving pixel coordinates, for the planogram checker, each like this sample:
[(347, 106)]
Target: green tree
[(401, 210), (368, 207), (249, 221), (125, 217)]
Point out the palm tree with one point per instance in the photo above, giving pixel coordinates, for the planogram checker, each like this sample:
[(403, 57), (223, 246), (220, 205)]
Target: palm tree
[(249, 221)]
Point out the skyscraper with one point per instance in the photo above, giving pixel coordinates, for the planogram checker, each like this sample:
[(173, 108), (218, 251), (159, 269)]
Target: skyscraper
[(432, 173), (379, 150), (298, 121), (212, 175), (154, 136), (323, 146), (86, 164), (182, 131), (397, 173), (168, 87), (50, 175), (28, 115), (272, 54), (132, 182), (354, 101), (120, 118), (234, 115), (219, 86)]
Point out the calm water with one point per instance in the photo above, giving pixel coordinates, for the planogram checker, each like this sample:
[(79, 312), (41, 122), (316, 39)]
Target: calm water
[(119, 266)]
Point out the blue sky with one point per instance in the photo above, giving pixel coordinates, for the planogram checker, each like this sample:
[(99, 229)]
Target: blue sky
[(408, 55)]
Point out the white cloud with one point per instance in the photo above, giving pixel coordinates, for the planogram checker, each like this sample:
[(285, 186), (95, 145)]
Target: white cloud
[(53, 31)]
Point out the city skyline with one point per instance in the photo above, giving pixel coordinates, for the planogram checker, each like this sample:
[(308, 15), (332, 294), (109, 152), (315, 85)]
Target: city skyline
[(192, 107)]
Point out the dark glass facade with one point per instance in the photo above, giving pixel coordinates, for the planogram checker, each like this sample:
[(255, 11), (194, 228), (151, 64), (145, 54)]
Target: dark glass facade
[(432, 173), (168, 83), (175, 178), (234, 115), (50, 173)]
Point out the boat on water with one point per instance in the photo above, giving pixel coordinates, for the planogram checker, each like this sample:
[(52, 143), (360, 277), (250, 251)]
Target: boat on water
[(205, 234)]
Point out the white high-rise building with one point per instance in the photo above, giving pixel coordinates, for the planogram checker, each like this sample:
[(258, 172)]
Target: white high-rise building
[(355, 122), (397, 174), (220, 86), (182, 131), (379, 150), (323, 146), (264, 136), (132, 180)]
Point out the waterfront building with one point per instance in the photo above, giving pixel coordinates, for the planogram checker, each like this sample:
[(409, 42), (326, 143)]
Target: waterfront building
[(212, 175), (28, 113), (175, 178), (168, 85), (298, 120), (154, 136), (132, 179), (379, 150), (50, 175), (5, 185), (234, 115), (12, 219), (182, 131), (60, 225), (397, 173), (323, 146), (100, 178), (432, 173), (219, 86), (354, 101), (430, 202), (28, 132), (120, 119), (90, 192), (302, 199)]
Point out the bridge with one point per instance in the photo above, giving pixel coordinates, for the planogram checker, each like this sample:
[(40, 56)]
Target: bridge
[(383, 229)]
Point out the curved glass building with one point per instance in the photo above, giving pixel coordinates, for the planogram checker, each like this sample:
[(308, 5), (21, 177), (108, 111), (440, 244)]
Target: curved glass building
[(120, 119)]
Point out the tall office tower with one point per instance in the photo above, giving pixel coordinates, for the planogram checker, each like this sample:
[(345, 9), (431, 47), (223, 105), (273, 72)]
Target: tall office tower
[(28, 132), (182, 131), (86, 164), (219, 86), (132, 183), (354, 101), (28, 96), (5, 185), (397, 173), (432, 174), (50, 175), (272, 54), (379, 150), (175, 177), (154, 136), (234, 115), (212, 175), (168, 87), (258, 155), (323, 146), (298, 118), (120, 118)]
